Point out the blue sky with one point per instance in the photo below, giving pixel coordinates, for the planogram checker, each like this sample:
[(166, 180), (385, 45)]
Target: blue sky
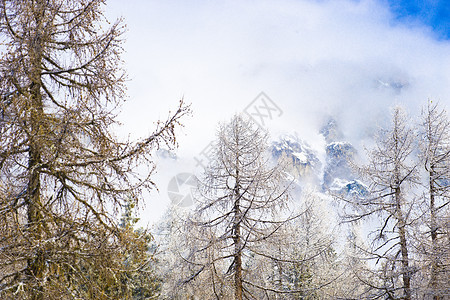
[(435, 14)]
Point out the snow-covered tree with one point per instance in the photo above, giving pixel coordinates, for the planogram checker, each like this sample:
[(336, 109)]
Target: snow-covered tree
[(310, 265), (435, 158), (391, 172), (244, 204)]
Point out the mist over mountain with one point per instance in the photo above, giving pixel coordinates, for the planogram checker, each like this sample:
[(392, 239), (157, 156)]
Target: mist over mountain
[(302, 160), (329, 173)]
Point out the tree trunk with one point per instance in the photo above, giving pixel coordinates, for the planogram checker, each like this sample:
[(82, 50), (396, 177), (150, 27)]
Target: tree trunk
[(406, 275), (237, 238), (36, 264), (434, 264), (237, 253)]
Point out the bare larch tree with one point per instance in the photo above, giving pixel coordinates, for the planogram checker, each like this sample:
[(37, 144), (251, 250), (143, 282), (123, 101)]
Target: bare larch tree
[(244, 204), (391, 172), (435, 154), (63, 173)]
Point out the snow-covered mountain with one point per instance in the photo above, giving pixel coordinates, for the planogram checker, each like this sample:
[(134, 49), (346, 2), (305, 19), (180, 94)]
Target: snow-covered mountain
[(304, 163), (354, 188), (331, 131), (337, 165), (338, 175), (331, 174)]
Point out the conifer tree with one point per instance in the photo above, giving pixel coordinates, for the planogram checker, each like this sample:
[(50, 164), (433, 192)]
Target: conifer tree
[(392, 174), (63, 173)]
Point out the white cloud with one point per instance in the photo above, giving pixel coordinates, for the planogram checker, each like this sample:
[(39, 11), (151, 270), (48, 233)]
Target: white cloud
[(344, 58)]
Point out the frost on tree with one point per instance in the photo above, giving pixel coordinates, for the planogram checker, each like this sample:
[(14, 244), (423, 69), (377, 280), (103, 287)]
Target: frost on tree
[(391, 172), (240, 243), (435, 160)]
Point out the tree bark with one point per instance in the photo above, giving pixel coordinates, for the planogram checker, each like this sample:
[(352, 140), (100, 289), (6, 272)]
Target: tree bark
[(36, 264), (406, 274), (434, 264), (237, 248)]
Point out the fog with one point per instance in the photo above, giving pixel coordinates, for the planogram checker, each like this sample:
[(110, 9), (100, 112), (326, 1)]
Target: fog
[(351, 60)]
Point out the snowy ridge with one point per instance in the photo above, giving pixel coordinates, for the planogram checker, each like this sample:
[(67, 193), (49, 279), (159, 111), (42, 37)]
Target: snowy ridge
[(304, 165), (298, 150), (353, 188), (303, 160)]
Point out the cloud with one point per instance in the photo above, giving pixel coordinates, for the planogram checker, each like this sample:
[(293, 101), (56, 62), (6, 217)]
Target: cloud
[(349, 59)]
